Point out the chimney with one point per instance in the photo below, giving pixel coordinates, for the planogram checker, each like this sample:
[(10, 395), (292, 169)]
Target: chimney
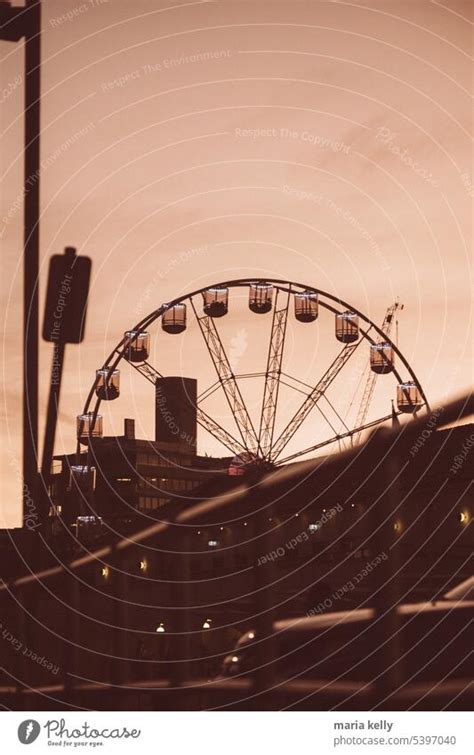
[(129, 429)]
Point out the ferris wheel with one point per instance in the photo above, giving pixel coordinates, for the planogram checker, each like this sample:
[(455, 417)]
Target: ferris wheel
[(270, 431)]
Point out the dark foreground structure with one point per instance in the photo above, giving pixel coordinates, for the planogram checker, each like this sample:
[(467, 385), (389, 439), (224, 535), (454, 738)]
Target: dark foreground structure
[(321, 585)]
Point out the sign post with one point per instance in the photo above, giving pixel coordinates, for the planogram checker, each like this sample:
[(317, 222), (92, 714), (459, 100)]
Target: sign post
[(64, 322)]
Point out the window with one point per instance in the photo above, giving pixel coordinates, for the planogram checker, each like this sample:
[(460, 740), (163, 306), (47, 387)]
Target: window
[(151, 502), (152, 459)]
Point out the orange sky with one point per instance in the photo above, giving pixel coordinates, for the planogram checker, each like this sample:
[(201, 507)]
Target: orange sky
[(187, 143)]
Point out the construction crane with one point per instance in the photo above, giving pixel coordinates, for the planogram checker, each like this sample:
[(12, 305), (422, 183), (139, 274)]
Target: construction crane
[(372, 376)]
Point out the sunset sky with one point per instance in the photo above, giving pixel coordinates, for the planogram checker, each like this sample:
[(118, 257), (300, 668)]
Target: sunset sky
[(188, 143)]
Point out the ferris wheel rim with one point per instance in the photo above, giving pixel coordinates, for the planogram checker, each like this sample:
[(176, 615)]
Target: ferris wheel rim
[(118, 353)]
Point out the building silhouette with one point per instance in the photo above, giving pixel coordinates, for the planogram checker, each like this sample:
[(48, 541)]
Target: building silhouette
[(152, 601)]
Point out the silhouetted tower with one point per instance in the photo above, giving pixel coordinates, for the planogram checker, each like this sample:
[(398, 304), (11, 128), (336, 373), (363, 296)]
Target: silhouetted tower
[(175, 407)]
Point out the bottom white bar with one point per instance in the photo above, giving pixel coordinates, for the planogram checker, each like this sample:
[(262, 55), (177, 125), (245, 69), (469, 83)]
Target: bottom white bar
[(236, 733)]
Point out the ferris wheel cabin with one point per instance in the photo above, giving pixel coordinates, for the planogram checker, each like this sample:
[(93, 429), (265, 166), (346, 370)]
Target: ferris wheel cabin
[(88, 426), (173, 320), (216, 301), (347, 327), (381, 358), (107, 384), (306, 306), (137, 345), (409, 398), (260, 297)]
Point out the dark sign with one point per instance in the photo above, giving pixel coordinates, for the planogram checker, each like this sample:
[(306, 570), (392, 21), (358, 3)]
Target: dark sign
[(66, 297)]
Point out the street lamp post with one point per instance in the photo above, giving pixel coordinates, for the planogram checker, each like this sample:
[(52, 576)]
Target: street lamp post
[(16, 23)]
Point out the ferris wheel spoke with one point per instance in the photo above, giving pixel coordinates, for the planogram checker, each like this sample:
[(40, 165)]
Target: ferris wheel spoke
[(227, 381), (312, 399), (219, 432), (273, 376), (341, 419), (337, 438), (326, 418)]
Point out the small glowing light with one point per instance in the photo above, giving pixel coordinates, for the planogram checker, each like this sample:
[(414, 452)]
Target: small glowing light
[(296, 514), (213, 543), (199, 532), (143, 564), (160, 628), (313, 527), (222, 528), (251, 635), (464, 517), (105, 571), (352, 505), (324, 511), (235, 659), (397, 526), (207, 624), (245, 524)]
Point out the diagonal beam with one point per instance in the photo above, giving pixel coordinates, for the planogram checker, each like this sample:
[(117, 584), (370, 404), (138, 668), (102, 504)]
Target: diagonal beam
[(219, 432), (147, 370), (347, 434), (370, 380), (208, 392), (203, 419), (312, 399), (227, 380), (372, 376), (272, 377)]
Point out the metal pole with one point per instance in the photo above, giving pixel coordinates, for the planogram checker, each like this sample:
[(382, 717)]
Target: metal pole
[(52, 415), (264, 612), (31, 212), (387, 633)]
